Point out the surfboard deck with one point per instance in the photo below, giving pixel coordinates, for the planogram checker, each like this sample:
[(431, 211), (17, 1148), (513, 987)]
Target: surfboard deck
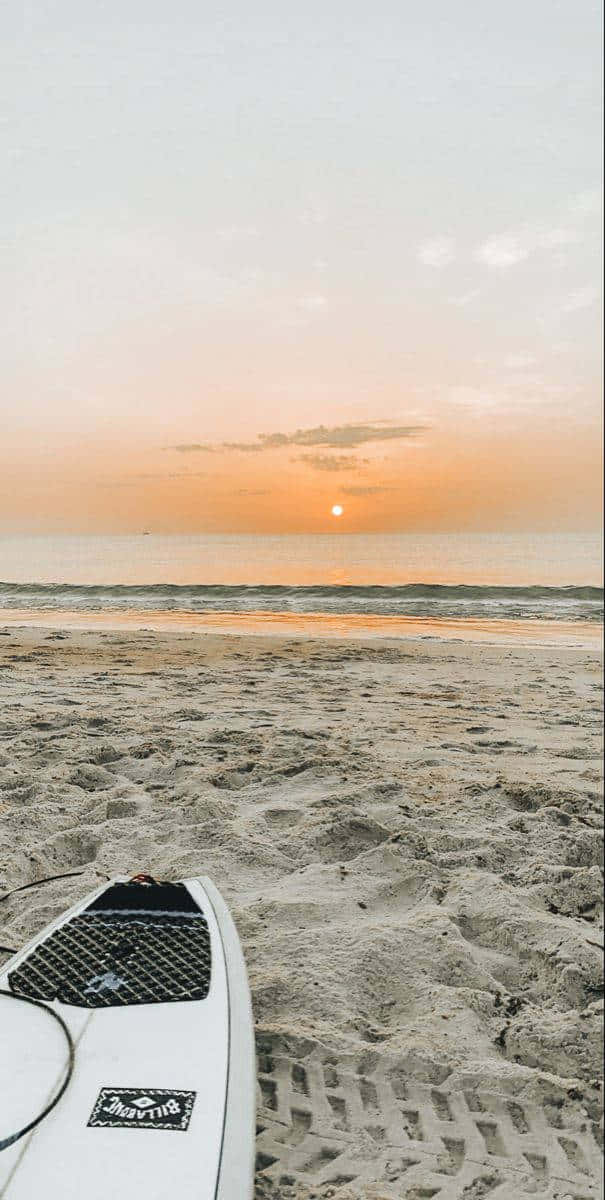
[(151, 982)]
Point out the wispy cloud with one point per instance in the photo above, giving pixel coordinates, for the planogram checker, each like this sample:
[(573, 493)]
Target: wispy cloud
[(521, 390), (312, 214), (555, 239), (191, 448), (464, 298), (237, 233), (479, 399), (370, 490), (587, 203), (171, 475), (144, 477), (325, 462), (504, 250), (312, 303), (519, 362), (437, 252), (580, 298), (253, 492)]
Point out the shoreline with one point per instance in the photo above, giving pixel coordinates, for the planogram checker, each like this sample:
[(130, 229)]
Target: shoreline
[(581, 634)]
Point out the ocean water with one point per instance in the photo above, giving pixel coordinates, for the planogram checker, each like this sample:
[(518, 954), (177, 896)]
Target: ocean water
[(499, 576)]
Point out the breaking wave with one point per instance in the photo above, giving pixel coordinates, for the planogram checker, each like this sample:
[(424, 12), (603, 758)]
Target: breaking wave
[(414, 599)]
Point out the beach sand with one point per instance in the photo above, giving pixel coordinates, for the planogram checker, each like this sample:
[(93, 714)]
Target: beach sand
[(407, 831)]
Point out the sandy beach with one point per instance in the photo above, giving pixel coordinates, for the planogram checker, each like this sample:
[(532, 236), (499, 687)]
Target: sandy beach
[(408, 832)]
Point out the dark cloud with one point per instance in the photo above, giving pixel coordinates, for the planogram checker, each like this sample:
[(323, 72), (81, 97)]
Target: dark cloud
[(334, 437), (269, 441), (370, 490), (325, 462), (341, 436)]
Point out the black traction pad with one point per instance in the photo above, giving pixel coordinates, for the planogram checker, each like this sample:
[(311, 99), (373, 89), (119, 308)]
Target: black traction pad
[(137, 943)]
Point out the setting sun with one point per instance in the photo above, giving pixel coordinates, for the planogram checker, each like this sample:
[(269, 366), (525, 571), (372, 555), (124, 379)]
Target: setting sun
[(337, 510)]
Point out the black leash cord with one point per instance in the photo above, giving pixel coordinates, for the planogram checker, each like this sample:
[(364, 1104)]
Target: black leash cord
[(14, 1137)]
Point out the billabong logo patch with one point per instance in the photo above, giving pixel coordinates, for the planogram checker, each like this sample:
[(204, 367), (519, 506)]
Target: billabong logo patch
[(142, 1108)]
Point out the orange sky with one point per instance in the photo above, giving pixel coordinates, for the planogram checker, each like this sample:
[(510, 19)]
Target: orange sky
[(228, 226), (433, 479)]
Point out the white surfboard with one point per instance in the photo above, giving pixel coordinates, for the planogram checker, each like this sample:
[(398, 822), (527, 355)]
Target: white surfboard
[(151, 984)]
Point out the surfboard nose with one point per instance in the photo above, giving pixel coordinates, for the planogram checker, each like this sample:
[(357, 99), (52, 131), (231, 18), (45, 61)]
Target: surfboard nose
[(150, 979)]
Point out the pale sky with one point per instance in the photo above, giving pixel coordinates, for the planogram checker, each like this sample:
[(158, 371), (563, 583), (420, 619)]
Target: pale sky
[(263, 258)]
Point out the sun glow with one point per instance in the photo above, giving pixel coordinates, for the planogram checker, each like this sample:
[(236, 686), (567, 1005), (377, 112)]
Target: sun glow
[(337, 510)]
